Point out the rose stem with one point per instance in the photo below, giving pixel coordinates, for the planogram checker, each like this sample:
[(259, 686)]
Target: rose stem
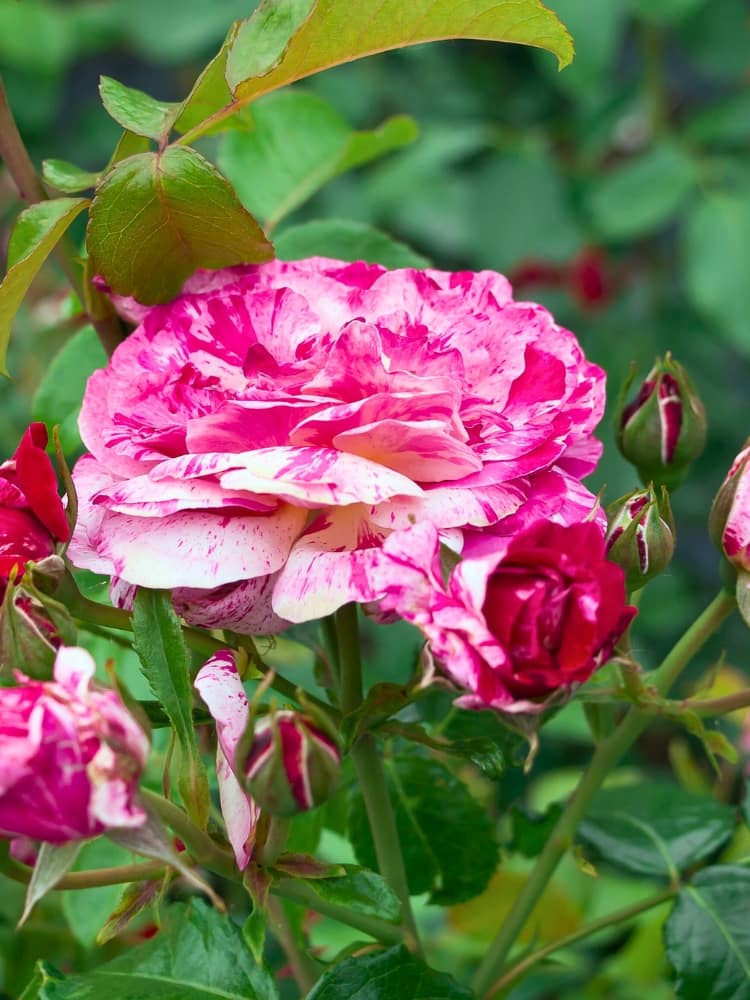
[(610, 920), (18, 162), (607, 755), (304, 968), (296, 891), (369, 770), (103, 615)]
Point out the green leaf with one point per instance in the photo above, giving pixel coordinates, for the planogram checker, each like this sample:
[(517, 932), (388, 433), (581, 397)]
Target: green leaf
[(262, 39), (707, 935), (299, 143), (210, 91), (643, 194), (361, 890), (161, 647), (337, 31), (67, 177), (746, 802), (716, 258), (655, 829), (345, 240), (35, 234), (447, 838), (387, 975), (52, 862), (158, 217), (135, 111), (58, 398), (87, 910), (131, 900), (198, 955), (485, 740)]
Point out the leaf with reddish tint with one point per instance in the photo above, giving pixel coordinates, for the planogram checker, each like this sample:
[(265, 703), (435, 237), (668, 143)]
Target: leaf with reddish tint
[(158, 217)]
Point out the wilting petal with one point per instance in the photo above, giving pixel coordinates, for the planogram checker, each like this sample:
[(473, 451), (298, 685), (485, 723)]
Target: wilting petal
[(220, 687)]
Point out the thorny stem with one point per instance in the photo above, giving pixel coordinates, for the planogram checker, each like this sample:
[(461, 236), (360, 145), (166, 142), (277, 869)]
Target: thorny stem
[(607, 755), (369, 768)]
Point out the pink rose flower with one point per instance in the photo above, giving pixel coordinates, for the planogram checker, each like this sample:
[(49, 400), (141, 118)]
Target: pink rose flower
[(220, 687), (71, 756), (516, 628), (253, 442), (32, 518)]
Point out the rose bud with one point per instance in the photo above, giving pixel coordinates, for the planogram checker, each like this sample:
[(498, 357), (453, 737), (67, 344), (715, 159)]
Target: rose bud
[(518, 626), (72, 756), (32, 518), (641, 535), (729, 519), (292, 765), (663, 429)]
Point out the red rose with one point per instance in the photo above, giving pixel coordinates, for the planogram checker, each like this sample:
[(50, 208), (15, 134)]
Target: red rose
[(519, 625), (32, 518)]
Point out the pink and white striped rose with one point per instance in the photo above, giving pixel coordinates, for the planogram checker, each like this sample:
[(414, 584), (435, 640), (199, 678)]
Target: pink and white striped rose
[(254, 441)]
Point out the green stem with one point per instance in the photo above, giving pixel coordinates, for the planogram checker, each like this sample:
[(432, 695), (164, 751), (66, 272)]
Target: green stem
[(607, 755), (350, 661), (278, 833), (297, 891), (305, 969), (202, 848), (142, 872), (87, 612), (369, 768), (611, 920)]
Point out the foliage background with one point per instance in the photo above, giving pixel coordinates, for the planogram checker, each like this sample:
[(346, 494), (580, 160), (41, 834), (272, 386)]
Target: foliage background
[(616, 192)]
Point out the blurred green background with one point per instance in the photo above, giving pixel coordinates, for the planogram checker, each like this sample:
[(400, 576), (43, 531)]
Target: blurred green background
[(616, 192)]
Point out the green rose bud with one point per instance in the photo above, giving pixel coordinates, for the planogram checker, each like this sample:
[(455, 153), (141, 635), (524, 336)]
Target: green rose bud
[(663, 429), (641, 535), (292, 766)]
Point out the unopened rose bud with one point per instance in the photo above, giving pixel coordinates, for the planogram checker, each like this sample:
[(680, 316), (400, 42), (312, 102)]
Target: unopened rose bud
[(292, 765), (663, 429), (729, 519), (641, 535)]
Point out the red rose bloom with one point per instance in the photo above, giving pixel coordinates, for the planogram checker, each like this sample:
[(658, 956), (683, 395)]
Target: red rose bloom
[(515, 626)]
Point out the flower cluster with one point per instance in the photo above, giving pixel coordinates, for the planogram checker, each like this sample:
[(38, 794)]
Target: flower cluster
[(254, 442)]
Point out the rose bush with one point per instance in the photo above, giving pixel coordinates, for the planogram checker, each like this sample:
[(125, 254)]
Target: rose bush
[(517, 626), (32, 519), (71, 756), (253, 442)]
